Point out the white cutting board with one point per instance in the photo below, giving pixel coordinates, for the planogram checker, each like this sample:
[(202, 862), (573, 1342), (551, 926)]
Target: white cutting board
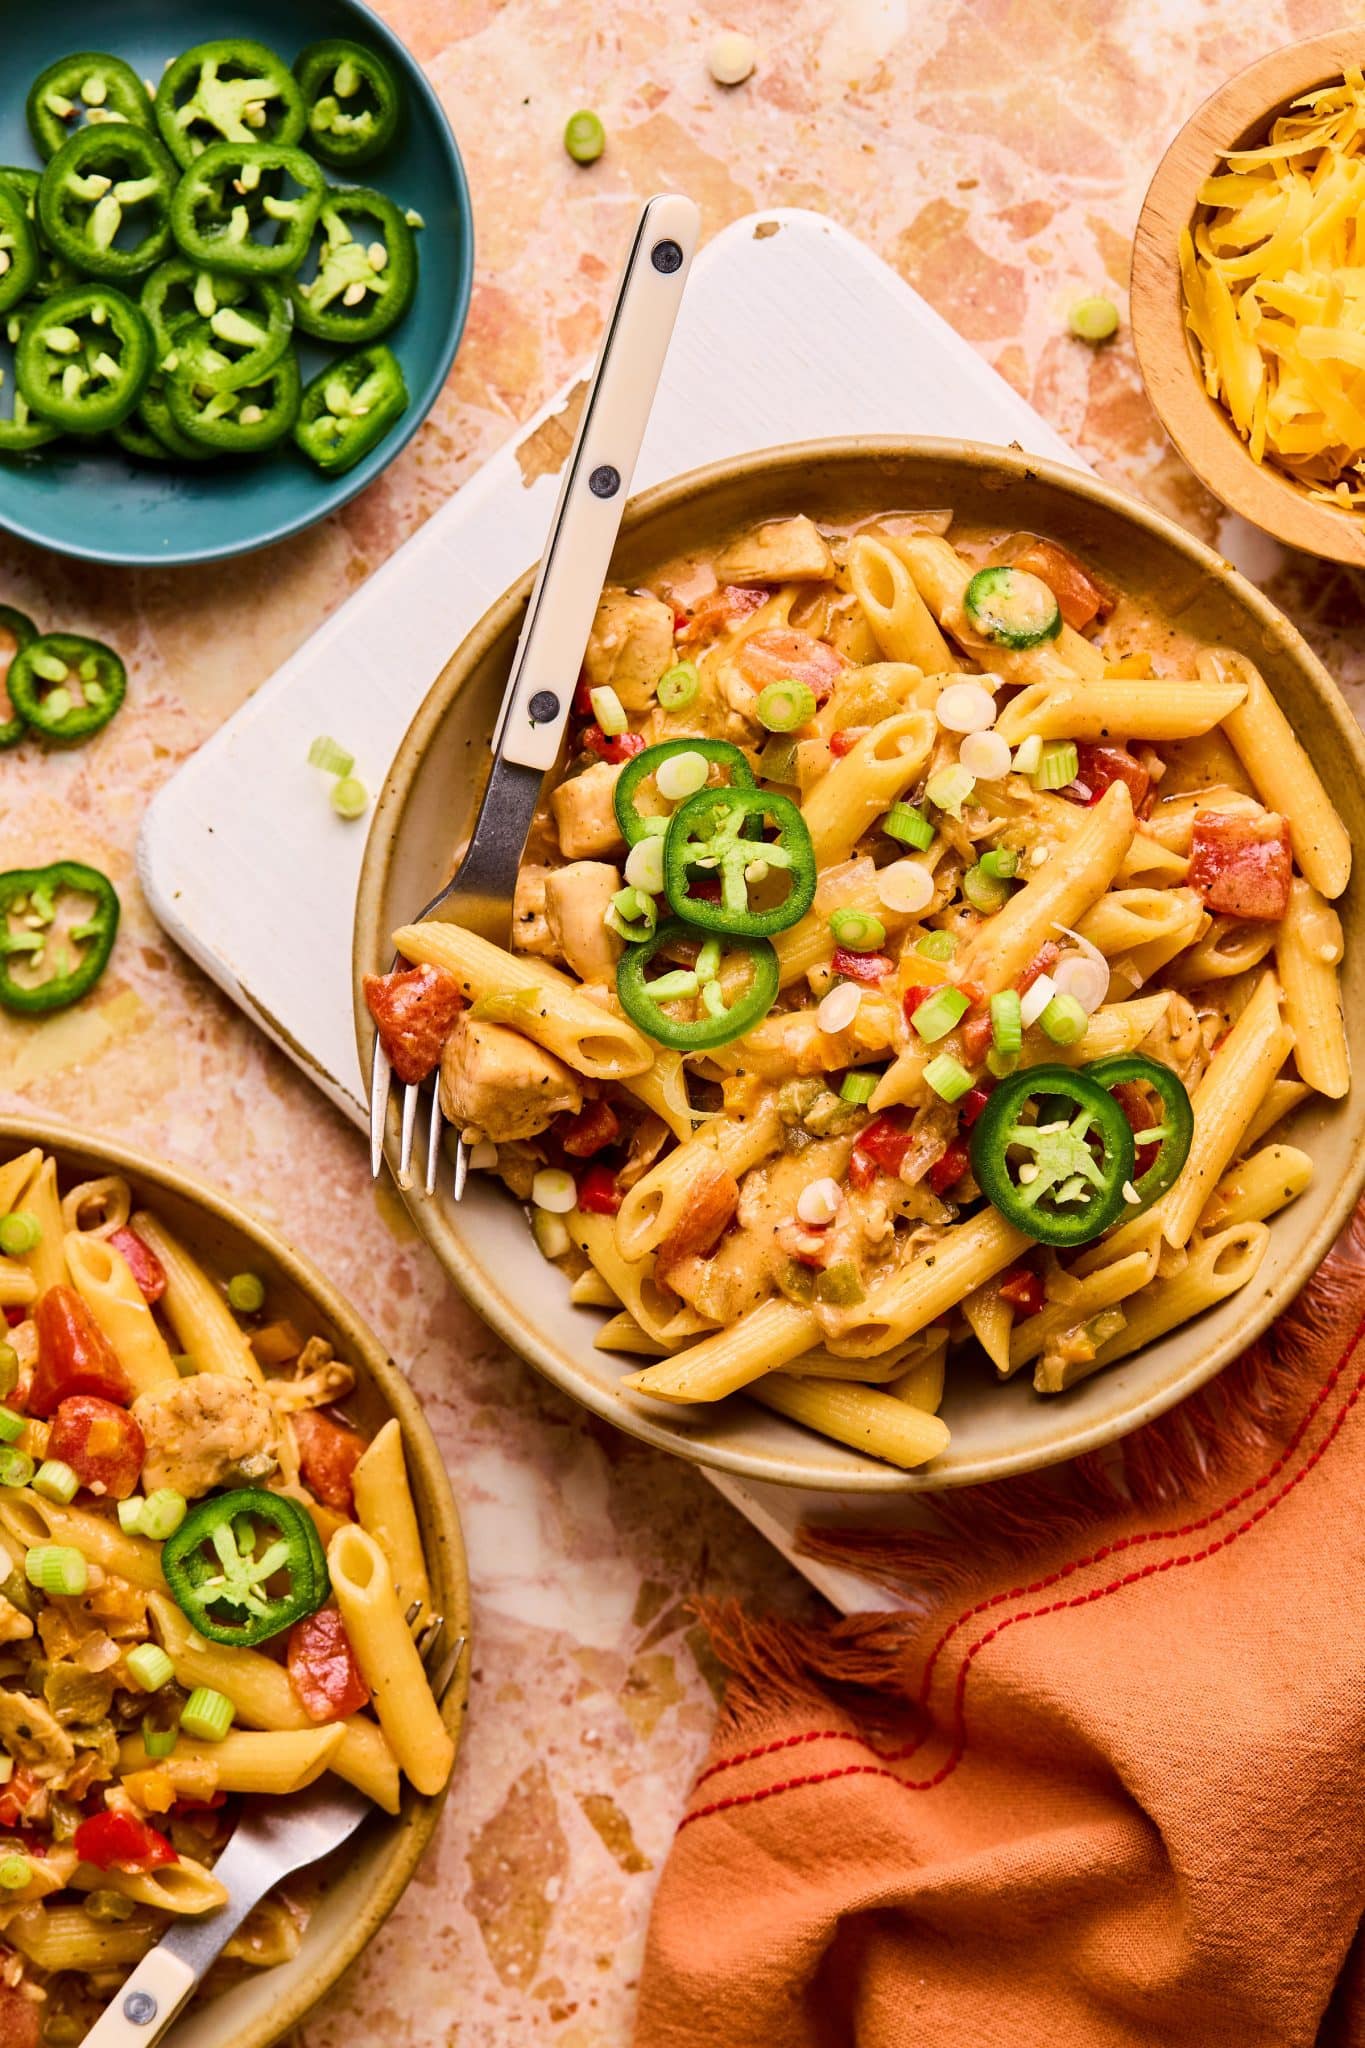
[(790, 330)]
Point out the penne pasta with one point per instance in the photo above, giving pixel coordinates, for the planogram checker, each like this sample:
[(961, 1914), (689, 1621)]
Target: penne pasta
[(27, 1518), (769, 1337), (860, 788), (1216, 1268), (1284, 777), (278, 1762), (658, 1312), (654, 1206), (182, 1887), (1103, 1289), (1308, 950), (387, 1656), (205, 1326), (930, 1283), (38, 1198), (101, 1276), (1255, 1187), (862, 1417), (1157, 710), (901, 622), (385, 1509)]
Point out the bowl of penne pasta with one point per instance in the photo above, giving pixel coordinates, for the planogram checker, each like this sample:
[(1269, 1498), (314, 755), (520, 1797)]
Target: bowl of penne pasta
[(220, 1507), (932, 971)]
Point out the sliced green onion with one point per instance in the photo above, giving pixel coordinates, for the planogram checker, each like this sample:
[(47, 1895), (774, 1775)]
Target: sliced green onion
[(910, 826), (329, 755), (1001, 1063), (554, 1189), (149, 1667), (12, 1426), (858, 931), (56, 1481), (246, 1293), (1064, 1020), (938, 1013), (1007, 1024), (632, 915), (1001, 865), (208, 1714), (19, 1233), (1057, 765), (56, 1568), (677, 686), (156, 1741), (949, 789), (984, 892), (645, 866), (15, 1872), (1093, 319), (9, 1368), (16, 1467), (859, 1085), (350, 798), (609, 712), (936, 946), (162, 1513), (1028, 754), (130, 1514), (782, 707), (777, 762), (584, 136), (948, 1078)]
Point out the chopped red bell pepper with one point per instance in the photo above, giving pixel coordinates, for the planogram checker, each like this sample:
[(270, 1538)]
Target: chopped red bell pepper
[(912, 999), (101, 1443), (111, 1839), (864, 967), (329, 1452), (783, 654), (881, 1147), (142, 1262), (19, 1796), (846, 739), (74, 1355), (598, 1194), (973, 1102), (322, 1667), (1100, 766), (21, 2019), (582, 699), (1141, 1117), (617, 749), (1080, 595), (948, 1171), (589, 1130), (1023, 1289), (1241, 863), (413, 1009)]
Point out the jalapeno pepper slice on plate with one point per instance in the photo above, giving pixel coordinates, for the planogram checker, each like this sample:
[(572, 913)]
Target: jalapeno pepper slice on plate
[(1059, 1178), (54, 273), (365, 272), (66, 686), (18, 248), (136, 438), (729, 985), (16, 630), (84, 358), (154, 414), (89, 86), (225, 216), (57, 929), (242, 421), (1173, 1129), (232, 90), (21, 429), (352, 100), (714, 835), (244, 1566), (349, 406), (636, 824), (222, 331), (104, 201)]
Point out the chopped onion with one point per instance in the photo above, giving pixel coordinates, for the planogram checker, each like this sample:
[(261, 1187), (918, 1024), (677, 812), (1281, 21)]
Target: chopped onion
[(483, 1157), (847, 883), (965, 707), (681, 775), (1036, 999), (1077, 976), (986, 755), (818, 1204), (553, 1189), (645, 866), (839, 1007), (906, 886)]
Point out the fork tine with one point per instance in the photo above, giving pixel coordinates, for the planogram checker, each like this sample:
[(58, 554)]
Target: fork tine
[(380, 1073), (410, 1099), (461, 1167), (430, 1638), (434, 1135), (440, 1680)]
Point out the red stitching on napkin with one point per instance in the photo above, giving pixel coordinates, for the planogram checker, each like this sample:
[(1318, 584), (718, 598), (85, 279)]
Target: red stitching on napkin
[(790, 1785)]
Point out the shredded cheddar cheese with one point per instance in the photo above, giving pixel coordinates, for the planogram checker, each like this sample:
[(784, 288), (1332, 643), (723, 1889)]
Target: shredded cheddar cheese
[(1274, 281)]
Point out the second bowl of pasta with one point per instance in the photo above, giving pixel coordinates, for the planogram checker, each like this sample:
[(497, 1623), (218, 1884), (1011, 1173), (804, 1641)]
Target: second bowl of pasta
[(924, 983)]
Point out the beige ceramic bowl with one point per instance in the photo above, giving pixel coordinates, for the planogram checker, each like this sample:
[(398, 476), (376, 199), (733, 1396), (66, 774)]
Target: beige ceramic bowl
[(484, 1243), (358, 1887), (1238, 116)]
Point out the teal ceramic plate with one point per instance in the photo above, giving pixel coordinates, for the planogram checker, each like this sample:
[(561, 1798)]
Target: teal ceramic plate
[(107, 507)]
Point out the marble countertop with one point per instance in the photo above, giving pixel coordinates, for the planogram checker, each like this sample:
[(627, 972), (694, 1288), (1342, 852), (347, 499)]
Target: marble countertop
[(1000, 191)]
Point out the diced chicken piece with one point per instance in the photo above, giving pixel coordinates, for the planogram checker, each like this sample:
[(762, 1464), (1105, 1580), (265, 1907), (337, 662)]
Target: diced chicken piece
[(31, 1733), (1241, 864), (630, 646), (495, 1081), (584, 817), (577, 898), (209, 1430), (778, 551), (15, 1627), (530, 931)]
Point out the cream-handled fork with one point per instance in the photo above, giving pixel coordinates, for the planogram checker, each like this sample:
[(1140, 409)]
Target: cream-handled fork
[(559, 617)]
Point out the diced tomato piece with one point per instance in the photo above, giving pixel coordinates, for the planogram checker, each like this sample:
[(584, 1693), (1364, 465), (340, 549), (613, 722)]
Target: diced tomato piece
[(598, 1194), (1080, 595), (582, 699), (785, 654), (322, 1667), (844, 741), (912, 999), (21, 2019), (18, 1797), (947, 1171), (977, 1036), (329, 1452), (1101, 766), (102, 1444), (864, 967), (886, 1141), (1241, 864), (112, 1839), (722, 608), (142, 1262), (711, 1206), (1023, 1289), (587, 1132), (862, 1169), (413, 1009), (617, 749), (74, 1355), (15, 1316), (973, 1102), (1043, 962), (1141, 1116)]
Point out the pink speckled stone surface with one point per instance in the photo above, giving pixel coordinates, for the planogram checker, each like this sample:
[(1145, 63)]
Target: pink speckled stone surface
[(1000, 190)]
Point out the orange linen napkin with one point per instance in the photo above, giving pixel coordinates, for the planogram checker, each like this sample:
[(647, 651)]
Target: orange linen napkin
[(1107, 1785)]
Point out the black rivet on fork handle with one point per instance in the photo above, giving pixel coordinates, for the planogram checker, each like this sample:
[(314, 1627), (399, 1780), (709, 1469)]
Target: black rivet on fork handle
[(605, 481), (544, 706), (666, 256)]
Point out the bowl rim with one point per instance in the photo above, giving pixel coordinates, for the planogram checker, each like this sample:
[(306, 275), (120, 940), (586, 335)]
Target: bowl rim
[(370, 468), (412, 1827), (371, 952), (1197, 424)]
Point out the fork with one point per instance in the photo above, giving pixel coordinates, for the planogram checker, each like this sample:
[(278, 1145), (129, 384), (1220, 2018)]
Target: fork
[(272, 1839), (559, 615)]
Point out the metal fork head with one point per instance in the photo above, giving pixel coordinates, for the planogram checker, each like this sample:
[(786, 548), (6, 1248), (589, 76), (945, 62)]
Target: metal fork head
[(380, 1084), (427, 1630)]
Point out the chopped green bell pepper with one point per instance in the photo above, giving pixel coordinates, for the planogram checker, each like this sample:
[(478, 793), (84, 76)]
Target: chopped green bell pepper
[(715, 1020), (101, 182), (349, 407), (102, 89), (241, 421), (32, 939), (234, 239), (66, 686), (352, 99), (16, 630), (83, 358), (233, 90), (366, 269)]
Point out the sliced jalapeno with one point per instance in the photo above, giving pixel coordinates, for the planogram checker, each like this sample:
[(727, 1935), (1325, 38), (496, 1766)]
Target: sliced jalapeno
[(108, 181), (232, 90), (84, 358), (252, 231), (366, 269), (724, 1003), (244, 1566), (65, 685), (713, 836), (349, 407), (18, 248), (220, 331), (1058, 1178), (57, 930), (242, 421), (21, 429), (155, 415), (90, 85), (54, 273), (16, 630), (352, 100), (636, 824), (136, 438), (1129, 1073)]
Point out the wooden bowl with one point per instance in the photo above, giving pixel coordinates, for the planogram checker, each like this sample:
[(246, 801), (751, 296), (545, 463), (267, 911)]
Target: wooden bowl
[(1237, 116), (483, 1242), (354, 1890)]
